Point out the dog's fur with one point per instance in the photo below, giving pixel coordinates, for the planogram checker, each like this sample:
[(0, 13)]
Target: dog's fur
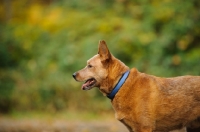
[(144, 103)]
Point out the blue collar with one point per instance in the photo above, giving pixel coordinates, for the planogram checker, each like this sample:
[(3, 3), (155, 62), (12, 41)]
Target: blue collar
[(118, 86)]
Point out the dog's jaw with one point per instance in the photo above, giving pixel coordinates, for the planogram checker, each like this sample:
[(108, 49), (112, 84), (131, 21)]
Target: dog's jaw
[(89, 84)]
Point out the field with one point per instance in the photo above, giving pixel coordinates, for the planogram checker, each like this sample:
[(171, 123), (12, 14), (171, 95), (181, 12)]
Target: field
[(10, 125), (62, 122)]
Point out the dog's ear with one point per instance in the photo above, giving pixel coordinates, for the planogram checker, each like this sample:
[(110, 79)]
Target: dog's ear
[(104, 51)]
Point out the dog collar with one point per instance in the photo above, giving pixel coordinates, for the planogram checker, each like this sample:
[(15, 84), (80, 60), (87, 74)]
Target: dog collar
[(118, 86)]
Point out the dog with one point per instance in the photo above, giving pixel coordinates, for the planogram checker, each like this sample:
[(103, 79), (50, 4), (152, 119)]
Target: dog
[(142, 102)]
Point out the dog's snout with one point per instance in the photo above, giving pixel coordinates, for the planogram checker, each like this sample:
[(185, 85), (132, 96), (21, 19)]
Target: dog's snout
[(74, 75)]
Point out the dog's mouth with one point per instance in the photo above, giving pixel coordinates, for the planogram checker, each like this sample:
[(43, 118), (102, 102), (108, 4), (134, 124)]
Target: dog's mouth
[(90, 83)]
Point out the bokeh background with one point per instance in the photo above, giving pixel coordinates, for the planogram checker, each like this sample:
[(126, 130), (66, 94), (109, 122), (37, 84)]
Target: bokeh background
[(43, 42)]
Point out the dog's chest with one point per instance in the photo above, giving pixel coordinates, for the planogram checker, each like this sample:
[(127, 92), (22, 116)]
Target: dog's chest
[(124, 114), (120, 112)]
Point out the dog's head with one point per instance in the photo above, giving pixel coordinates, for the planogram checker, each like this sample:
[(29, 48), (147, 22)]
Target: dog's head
[(101, 70)]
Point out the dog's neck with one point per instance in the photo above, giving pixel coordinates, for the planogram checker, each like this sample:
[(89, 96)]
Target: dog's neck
[(111, 81)]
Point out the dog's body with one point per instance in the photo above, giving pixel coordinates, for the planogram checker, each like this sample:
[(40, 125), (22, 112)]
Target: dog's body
[(144, 103)]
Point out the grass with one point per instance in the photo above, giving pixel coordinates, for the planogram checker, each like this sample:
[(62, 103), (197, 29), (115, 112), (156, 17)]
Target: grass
[(70, 115)]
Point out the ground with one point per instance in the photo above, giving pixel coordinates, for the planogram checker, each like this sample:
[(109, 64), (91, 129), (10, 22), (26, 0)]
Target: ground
[(28, 123)]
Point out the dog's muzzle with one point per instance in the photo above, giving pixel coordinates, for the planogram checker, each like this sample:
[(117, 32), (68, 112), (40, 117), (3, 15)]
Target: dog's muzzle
[(74, 75)]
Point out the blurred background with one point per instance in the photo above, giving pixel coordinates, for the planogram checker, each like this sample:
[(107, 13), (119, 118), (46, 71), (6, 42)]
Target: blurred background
[(43, 42)]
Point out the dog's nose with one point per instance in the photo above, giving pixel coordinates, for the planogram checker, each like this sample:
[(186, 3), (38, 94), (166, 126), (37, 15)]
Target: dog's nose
[(74, 75)]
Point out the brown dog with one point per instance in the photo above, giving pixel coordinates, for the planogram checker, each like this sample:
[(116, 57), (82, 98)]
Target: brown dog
[(143, 103)]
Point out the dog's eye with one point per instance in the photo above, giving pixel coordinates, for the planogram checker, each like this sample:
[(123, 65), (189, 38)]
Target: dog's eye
[(89, 66)]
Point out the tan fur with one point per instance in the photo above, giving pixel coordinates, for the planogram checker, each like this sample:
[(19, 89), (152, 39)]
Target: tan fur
[(145, 103)]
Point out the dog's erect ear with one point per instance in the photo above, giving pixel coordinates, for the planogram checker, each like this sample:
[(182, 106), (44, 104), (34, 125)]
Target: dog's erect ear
[(104, 51)]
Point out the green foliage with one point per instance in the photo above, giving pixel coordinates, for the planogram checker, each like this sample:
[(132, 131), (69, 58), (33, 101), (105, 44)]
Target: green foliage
[(43, 43), (6, 89)]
